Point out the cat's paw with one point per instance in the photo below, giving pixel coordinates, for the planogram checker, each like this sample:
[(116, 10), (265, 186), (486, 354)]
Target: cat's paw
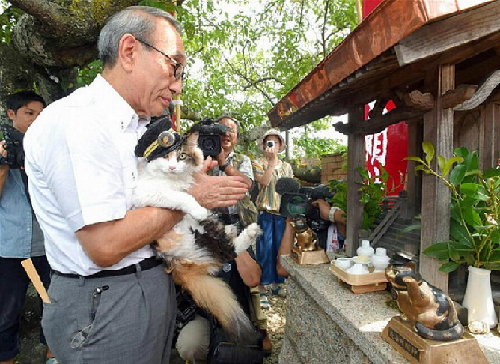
[(200, 213), (253, 230)]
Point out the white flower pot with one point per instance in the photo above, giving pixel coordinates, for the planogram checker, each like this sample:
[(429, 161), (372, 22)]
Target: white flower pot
[(478, 299)]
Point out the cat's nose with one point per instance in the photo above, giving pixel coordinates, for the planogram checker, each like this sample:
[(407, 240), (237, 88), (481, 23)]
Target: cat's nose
[(171, 168)]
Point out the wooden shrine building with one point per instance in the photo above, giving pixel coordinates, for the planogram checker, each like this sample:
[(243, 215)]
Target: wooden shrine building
[(439, 62)]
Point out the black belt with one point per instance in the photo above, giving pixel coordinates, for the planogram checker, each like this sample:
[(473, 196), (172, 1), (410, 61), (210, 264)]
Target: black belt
[(145, 264)]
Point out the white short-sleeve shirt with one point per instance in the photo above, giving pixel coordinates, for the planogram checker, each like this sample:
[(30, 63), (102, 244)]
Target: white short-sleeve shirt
[(82, 169)]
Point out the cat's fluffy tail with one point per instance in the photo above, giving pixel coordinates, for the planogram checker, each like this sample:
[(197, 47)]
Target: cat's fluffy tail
[(215, 296)]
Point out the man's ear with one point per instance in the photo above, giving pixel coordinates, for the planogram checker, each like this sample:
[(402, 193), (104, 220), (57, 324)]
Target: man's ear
[(127, 51), (11, 114)]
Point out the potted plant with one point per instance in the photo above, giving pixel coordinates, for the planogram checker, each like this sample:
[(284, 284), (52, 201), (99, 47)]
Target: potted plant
[(474, 227)]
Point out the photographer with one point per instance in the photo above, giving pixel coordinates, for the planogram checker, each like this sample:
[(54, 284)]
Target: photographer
[(20, 234), (240, 274), (336, 216), (267, 171)]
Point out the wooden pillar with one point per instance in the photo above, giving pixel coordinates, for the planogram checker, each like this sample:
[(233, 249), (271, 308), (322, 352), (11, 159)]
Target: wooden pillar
[(489, 135), (438, 130), (414, 181), (355, 159)]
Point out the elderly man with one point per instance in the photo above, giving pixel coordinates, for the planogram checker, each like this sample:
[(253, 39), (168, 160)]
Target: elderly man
[(111, 301)]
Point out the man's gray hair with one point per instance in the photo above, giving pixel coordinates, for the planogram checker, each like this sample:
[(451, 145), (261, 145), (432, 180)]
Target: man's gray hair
[(135, 20)]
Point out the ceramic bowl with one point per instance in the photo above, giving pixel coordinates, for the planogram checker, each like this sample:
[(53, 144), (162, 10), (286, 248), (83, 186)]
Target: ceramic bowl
[(343, 263)]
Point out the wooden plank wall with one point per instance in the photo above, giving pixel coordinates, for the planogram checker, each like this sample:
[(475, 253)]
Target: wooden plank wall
[(438, 130)]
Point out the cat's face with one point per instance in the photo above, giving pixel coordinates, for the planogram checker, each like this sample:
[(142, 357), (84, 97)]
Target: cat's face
[(185, 160)]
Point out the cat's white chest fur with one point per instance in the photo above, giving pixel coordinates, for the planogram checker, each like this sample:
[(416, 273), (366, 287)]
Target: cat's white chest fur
[(161, 183)]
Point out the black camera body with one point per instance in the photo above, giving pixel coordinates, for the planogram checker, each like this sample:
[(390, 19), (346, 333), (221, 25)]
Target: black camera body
[(13, 145), (209, 139), (297, 201)]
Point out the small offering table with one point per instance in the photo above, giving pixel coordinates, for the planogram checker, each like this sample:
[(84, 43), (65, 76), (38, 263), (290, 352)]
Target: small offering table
[(327, 323)]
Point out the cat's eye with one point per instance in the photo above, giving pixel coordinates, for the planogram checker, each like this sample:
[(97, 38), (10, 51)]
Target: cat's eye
[(182, 156)]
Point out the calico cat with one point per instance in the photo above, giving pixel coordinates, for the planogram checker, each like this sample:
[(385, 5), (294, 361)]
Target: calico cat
[(197, 246), (431, 311)]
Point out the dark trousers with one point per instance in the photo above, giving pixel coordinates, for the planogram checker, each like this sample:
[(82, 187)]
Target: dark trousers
[(268, 245), (13, 286)]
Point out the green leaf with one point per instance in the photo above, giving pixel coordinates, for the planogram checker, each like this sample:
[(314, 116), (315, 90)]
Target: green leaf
[(449, 267), (472, 217), (441, 163), (438, 250), (492, 172), (428, 149), (414, 159), (449, 163), (457, 174)]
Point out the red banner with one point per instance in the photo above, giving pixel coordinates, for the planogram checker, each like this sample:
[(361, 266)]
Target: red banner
[(389, 147)]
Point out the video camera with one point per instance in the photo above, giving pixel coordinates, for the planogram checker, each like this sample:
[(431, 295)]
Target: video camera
[(210, 134), (296, 201), (13, 145)]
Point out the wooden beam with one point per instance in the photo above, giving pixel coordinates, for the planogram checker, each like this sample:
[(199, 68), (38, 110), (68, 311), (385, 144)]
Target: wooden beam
[(458, 95), (438, 130), (379, 123), (449, 33), (355, 159), (419, 100)]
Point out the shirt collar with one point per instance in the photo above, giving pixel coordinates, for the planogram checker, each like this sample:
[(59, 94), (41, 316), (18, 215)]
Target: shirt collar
[(122, 113)]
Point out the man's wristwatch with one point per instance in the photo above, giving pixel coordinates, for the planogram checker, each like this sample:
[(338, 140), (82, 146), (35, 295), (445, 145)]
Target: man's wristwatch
[(331, 213), (224, 166)]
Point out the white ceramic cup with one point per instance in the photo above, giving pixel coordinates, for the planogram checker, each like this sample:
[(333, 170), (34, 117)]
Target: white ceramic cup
[(343, 263), (358, 268)]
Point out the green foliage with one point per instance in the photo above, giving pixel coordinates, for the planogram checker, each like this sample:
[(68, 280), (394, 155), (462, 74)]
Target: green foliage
[(475, 208), (373, 190), (314, 147), (7, 21)]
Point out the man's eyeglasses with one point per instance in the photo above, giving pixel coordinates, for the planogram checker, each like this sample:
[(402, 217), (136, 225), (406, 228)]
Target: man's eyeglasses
[(178, 67)]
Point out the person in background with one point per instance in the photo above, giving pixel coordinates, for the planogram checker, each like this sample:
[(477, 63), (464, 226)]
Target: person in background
[(241, 274), (336, 232), (111, 300), (267, 170), (20, 234)]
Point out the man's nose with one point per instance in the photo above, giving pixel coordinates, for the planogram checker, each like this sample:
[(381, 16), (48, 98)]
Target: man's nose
[(176, 86)]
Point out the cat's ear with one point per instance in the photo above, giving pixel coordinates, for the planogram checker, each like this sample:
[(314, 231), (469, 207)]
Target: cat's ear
[(192, 139), (151, 135)]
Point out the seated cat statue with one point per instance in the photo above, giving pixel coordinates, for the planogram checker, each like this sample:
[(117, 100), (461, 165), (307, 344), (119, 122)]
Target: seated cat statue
[(305, 237), (431, 311), (197, 246)]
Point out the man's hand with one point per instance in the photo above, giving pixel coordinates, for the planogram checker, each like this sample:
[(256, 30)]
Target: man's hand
[(3, 151), (324, 208), (271, 154), (215, 191)]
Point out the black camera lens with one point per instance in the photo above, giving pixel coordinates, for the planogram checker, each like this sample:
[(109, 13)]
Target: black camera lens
[(270, 144)]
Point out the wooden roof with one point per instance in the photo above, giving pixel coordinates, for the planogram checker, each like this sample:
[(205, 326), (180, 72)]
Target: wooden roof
[(393, 46)]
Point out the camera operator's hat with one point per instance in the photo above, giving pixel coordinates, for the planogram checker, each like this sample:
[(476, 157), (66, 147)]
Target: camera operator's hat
[(276, 132), (158, 140)]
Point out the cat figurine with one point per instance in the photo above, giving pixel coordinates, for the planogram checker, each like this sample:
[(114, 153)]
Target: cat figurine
[(431, 311), (305, 237), (197, 246)]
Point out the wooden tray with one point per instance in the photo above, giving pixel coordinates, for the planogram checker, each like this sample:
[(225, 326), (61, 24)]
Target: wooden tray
[(361, 283)]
